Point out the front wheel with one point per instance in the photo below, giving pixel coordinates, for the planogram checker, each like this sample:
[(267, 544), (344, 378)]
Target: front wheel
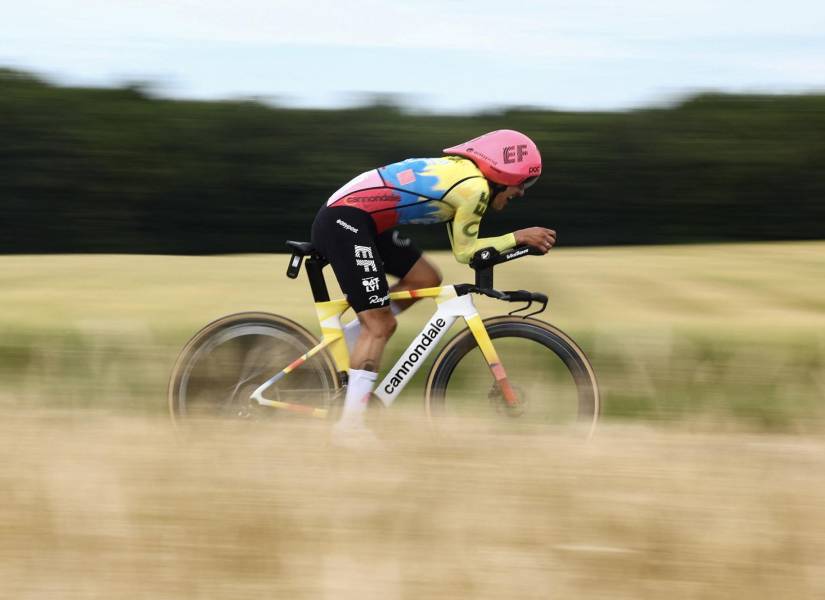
[(228, 359), (551, 376)]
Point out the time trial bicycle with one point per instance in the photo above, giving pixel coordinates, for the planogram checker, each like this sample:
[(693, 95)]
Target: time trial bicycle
[(517, 370)]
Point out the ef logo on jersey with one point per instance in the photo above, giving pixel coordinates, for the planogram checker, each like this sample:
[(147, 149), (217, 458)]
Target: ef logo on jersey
[(514, 153)]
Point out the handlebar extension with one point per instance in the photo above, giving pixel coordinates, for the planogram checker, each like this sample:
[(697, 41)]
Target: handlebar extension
[(488, 257), (485, 259)]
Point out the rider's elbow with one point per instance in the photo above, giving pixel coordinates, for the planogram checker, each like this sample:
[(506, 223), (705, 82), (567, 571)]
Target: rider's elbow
[(463, 256)]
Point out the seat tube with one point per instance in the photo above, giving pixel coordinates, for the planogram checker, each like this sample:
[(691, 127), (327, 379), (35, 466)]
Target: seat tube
[(485, 344), (315, 273)]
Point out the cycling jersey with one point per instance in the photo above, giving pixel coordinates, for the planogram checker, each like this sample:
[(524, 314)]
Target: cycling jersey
[(423, 191)]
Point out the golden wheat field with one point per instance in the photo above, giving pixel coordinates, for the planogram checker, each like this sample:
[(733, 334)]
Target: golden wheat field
[(704, 479), (114, 507), (676, 332)]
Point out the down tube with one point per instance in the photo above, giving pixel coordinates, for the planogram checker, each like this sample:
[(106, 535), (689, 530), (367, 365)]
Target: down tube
[(414, 356)]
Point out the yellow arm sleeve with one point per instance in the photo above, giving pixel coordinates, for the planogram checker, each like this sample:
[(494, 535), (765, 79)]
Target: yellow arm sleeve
[(470, 200)]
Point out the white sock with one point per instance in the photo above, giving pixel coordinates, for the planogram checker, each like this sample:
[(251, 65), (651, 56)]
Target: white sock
[(353, 328), (359, 389)]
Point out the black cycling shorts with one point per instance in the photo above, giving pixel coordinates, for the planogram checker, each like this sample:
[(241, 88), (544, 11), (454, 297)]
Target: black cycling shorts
[(347, 238)]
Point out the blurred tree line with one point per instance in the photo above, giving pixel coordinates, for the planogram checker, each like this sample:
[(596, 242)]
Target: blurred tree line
[(117, 170)]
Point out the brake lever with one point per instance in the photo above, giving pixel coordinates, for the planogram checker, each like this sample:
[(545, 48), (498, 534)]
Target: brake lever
[(539, 298), (515, 296), (523, 308), (520, 296)]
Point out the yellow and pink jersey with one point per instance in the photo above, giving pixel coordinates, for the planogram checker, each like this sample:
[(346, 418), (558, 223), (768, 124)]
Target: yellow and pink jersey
[(425, 191)]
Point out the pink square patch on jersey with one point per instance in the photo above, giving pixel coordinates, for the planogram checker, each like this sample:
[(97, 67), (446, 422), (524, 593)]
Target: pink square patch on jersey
[(406, 177)]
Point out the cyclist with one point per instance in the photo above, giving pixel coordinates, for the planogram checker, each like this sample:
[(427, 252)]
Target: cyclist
[(355, 231)]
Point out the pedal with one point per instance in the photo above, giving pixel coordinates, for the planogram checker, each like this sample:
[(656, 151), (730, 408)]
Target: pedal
[(373, 417)]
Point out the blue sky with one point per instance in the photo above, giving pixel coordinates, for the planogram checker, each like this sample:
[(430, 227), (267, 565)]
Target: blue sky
[(444, 55)]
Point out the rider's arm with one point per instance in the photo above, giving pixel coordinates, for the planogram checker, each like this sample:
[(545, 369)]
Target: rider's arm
[(470, 200)]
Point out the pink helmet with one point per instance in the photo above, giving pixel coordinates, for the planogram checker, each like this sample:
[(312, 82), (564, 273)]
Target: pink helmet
[(505, 156)]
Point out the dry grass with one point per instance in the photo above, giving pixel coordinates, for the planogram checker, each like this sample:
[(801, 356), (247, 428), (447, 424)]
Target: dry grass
[(103, 507), (709, 343)]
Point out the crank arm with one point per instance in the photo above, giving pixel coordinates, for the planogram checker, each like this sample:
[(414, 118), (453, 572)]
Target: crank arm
[(319, 413)]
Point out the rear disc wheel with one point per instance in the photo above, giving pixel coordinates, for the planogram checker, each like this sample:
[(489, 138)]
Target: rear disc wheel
[(230, 358)]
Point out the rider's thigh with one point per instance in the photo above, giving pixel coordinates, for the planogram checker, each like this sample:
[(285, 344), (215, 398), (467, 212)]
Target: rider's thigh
[(398, 252), (346, 237)]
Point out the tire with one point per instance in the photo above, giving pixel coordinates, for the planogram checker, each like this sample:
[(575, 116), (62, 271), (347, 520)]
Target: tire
[(551, 375), (228, 359)]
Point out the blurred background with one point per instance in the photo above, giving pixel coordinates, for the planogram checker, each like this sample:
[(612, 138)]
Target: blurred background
[(154, 157), (196, 128)]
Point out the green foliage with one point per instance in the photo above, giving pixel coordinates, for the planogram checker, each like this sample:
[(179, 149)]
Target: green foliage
[(116, 170)]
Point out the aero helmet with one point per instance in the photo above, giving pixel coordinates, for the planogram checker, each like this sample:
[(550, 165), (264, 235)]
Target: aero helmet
[(505, 157)]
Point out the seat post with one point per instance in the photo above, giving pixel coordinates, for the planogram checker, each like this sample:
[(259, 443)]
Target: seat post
[(315, 272)]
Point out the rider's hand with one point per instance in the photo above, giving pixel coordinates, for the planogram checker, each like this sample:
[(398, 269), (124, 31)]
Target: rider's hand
[(537, 237)]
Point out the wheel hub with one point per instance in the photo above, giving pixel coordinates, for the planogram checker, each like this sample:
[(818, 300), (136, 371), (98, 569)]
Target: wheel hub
[(499, 402)]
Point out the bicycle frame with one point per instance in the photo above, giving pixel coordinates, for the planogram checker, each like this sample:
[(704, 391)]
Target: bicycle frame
[(450, 306)]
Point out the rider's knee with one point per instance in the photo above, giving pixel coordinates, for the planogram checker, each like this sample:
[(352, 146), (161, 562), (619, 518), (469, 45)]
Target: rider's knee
[(390, 326), (380, 323)]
